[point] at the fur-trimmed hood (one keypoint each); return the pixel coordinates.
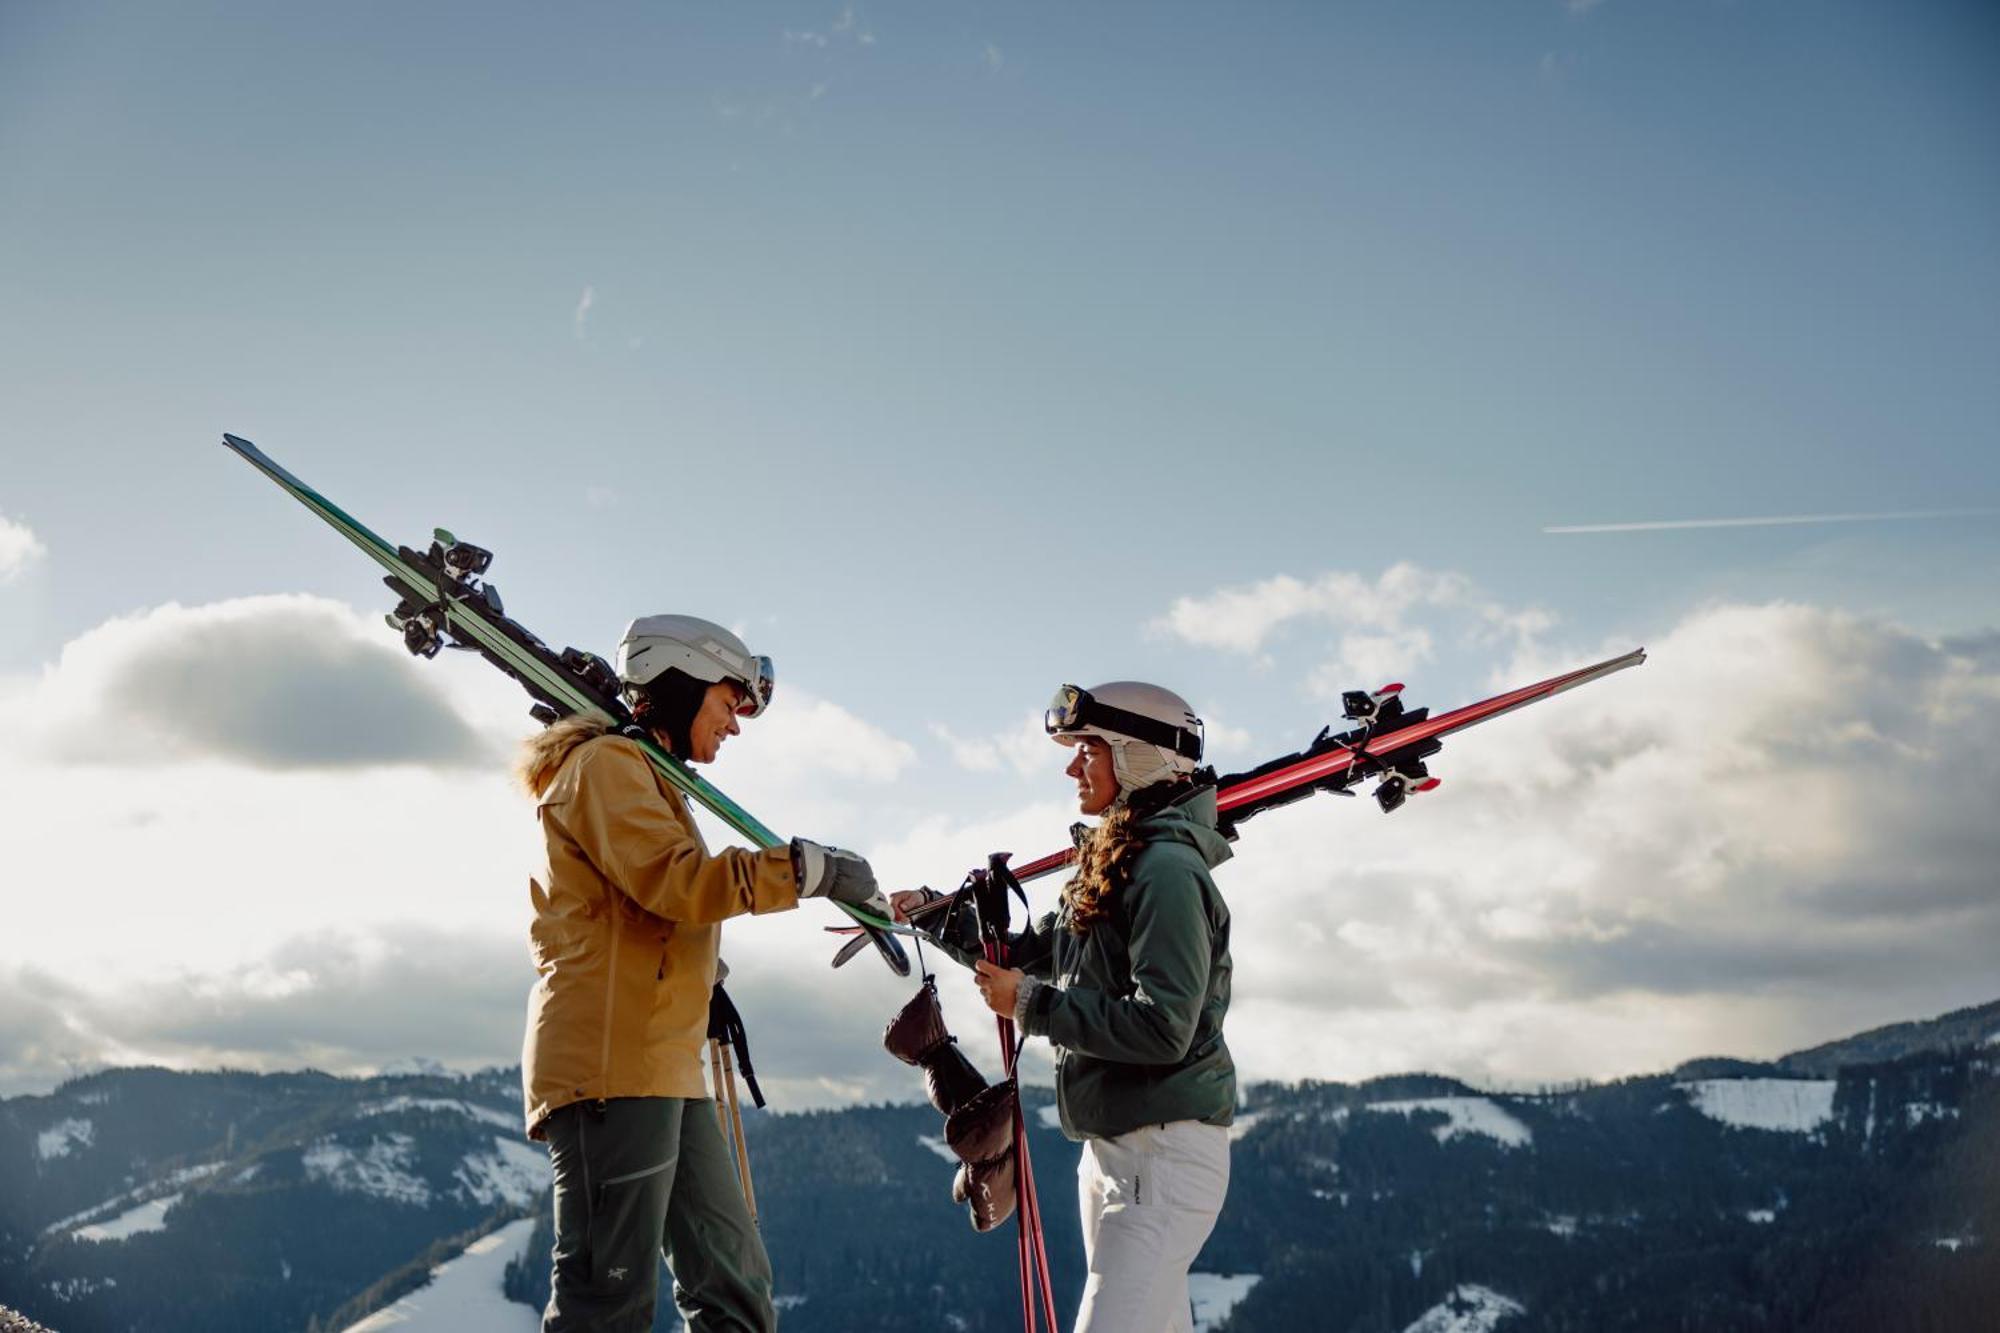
(543, 753)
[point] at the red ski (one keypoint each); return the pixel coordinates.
(1389, 743)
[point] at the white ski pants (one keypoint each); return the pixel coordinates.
(1149, 1199)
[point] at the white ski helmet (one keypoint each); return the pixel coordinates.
(1152, 732)
(702, 649)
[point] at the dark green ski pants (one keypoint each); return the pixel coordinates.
(637, 1177)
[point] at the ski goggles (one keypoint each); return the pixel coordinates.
(1075, 709)
(758, 685)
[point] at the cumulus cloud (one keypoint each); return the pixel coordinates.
(1023, 749)
(1379, 625)
(1778, 828)
(345, 1003)
(809, 737)
(279, 682)
(1220, 740)
(20, 549)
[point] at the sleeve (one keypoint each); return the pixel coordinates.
(1170, 949)
(635, 839)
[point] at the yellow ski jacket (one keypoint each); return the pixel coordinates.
(628, 913)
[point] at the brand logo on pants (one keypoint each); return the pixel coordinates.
(616, 1274)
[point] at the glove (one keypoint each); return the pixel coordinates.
(829, 872)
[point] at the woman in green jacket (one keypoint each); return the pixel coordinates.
(1129, 982)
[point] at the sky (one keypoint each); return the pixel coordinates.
(951, 352)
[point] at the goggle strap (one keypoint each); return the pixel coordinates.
(1138, 726)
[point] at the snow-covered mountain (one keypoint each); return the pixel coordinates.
(1725, 1195)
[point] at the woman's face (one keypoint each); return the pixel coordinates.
(715, 721)
(1096, 783)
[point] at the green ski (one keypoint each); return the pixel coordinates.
(445, 603)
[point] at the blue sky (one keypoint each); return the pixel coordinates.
(946, 349)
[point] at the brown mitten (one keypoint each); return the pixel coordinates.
(981, 1132)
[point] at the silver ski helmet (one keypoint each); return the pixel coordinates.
(1153, 734)
(699, 648)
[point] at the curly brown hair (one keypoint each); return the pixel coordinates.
(1106, 855)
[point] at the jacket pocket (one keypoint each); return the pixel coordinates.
(623, 1236)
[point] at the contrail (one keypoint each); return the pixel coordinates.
(1773, 521)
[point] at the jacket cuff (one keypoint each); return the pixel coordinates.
(1028, 1005)
(776, 886)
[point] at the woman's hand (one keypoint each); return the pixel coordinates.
(1000, 986)
(906, 901)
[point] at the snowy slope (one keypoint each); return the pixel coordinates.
(1784, 1105)
(146, 1217)
(1465, 1115)
(1469, 1309)
(464, 1293)
(1214, 1295)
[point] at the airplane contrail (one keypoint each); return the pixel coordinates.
(1775, 520)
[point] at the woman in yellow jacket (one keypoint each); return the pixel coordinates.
(628, 913)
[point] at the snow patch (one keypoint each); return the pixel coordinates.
(1561, 1224)
(63, 1137)
(382, 1169)
(67, 1289)
(464, 1294)
(1918, 1112)
(1470, 1308)
(1465, 1115)
(1214, 1295)
(1243, 1124)
(174, 1180)
(451, 1105)
(1761, 1216)
(150, 1216)
(1782, 1105)
(788, 1302)
(939, 1147)
(1955, 1243)
(1050, 1116)
(514, 1172)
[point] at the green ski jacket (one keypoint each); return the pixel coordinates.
(1134, 1008)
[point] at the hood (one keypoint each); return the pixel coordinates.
(542, 754)
(1189, 819)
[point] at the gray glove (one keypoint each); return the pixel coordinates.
(830, 872)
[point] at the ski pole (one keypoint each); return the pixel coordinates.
(736, 1133)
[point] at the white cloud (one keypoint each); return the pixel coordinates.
(1023, 749)
(1377, 628)
(1777, 830)
(583, 305)
(806, 739)
(1219, 738)
(1241, 619)
(20, 549)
